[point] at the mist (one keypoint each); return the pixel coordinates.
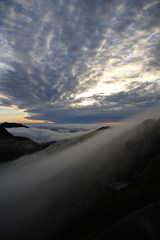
(31, 184)
(52, 132)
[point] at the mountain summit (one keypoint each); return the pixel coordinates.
(12, 125)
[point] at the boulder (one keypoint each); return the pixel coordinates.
(142, 224)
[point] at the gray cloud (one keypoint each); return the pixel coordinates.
(54, 51)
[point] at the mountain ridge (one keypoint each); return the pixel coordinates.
(139, 164)
(12, 125)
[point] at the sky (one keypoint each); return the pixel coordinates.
(78, 61)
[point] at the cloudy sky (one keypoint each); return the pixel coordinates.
(78, 61)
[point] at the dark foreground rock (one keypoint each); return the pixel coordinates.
(110, 189)
(143, 224)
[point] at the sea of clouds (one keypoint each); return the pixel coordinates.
(41, 132)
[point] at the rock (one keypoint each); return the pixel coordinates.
(142, 224)
(117, 186)
(146, 143)
(147, 124)
(109, 189)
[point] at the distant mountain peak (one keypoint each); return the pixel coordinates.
(103, 128)
(12, 125)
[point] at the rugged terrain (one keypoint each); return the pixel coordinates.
(12, 147)
(115, 193)
(142, 190)
(130, 181)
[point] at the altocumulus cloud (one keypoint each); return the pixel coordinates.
(79, 60)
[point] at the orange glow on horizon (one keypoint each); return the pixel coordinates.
(24, 120)
(8, 114)
(112, 123)
(35, 121)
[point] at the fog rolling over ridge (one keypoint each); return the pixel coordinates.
(32, 184)
(52, 132)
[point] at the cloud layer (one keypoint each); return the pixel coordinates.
(79, 60)
(53, 132)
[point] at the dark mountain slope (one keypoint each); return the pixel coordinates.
(137, 162)
(12, 147)
(4, 134)
(143, 224)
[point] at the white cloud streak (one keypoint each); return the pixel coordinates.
(53, 132)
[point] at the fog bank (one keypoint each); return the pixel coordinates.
(53, 132)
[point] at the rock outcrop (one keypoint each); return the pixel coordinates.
(142, 224)
(110, 189)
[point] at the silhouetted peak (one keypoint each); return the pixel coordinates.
(4, 134)
(102, 128)
(149, 122)
(12, 125)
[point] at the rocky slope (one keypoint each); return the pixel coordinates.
(12, 147)
(142, 224)
(130, 180)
